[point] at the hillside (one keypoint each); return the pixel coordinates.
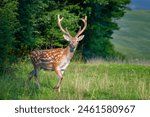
(133, 38)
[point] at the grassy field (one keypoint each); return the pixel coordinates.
(81, 81)
(133, 38)
(96, 79)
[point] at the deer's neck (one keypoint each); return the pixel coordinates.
(70, 52)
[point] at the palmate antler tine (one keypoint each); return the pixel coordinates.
(60, 26)
(85, 25)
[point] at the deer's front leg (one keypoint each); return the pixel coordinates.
(60, 78)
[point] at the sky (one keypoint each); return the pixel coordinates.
(140, 4)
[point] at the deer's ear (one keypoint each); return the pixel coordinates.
(80, 38)
(66, 37)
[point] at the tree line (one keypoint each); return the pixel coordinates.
(32, 24)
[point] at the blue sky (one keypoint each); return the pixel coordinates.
(140, 4)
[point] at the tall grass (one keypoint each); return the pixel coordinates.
(81, 81)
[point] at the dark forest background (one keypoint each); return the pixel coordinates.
(26, 25)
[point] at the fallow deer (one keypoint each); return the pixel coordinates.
(56, 59)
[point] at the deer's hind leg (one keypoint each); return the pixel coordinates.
(36, 77)
(31, 74)
(34, 73)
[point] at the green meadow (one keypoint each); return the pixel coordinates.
(81, 81)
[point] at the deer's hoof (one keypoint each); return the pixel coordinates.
(57, 89)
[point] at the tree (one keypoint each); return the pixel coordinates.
(8, 27)
(32, 24)
(101, 24)
(39, 29)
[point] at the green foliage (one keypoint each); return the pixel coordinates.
(40, 30)
(32, 24)
(8, 27)
(101, 23)
(52, 35)
(28, 13)
(39, 27)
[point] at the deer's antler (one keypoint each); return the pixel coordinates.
(60, 26)
(85, 25)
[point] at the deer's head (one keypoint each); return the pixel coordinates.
(67, 36)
